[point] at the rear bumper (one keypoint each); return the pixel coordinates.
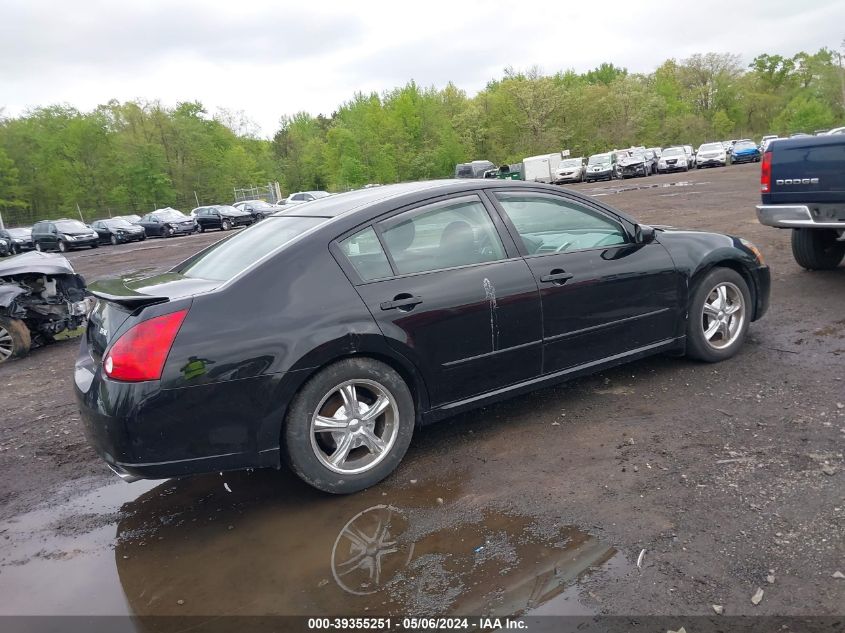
(800, 216)
(143, 431)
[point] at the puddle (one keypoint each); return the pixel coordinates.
(273, 546)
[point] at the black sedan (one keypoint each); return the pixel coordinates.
(167, 223)
(220, 216)
(322, 337)
(5, 247)
(258, 209)
(118, 231)
(20, 239)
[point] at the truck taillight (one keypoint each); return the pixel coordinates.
(140, 353)
(766, 173)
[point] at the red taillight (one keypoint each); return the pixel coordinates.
(766, 173)
(141, 352)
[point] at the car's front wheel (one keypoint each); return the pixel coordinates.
(719, 314)
(15, 339)
(349, 426)
(62, 246)
(113, 240)
(227, 225)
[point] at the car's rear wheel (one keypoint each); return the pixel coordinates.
(349, 426)
(817, 249)
(15, 339)
(719, 315)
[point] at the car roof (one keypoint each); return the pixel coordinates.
(363, 200)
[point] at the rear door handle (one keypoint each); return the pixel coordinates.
(401, 301)
(557, 275)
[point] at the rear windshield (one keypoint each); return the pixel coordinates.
(230, 257)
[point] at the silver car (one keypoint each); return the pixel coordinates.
(571, 170)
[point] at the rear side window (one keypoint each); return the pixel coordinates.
(456, 232)
(230, 257)
(366, 255)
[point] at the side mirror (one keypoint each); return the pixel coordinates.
(643, 234)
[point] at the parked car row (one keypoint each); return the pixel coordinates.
(67, 234)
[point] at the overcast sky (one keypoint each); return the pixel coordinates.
(271, 58)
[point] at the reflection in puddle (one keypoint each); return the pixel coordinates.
(273, 546)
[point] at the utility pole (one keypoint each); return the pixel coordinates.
(2, 226)
(196, 198)
(80, 213)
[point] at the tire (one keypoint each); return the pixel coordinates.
(200, 228)
(62, 247)
(95, 245)
(169, 231)
(726, 338)
(226, 225)
(143, 237)
(38, 247)
(113, 240)
(15, 339)
(817, 249)
(308, 452)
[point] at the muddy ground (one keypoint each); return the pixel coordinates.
(729, 477)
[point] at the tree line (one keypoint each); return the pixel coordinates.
(136, 156)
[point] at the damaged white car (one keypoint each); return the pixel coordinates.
(40, 296)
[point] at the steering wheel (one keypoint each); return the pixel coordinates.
(563, 247)
(485, 245)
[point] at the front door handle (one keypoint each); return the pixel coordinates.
(557, 276)
(402, 301)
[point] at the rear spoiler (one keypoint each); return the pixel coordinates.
(114, 291)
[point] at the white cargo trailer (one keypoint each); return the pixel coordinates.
(543, 168)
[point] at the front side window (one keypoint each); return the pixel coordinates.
(456, 232)
(364, 252)
(551, 224)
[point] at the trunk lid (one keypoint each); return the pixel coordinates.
(121, 302)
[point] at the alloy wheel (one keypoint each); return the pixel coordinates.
(355, 426)
(6, 344)
(723, 315)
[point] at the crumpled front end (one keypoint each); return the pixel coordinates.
(45, 294)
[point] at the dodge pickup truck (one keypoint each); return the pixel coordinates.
(802, 183)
